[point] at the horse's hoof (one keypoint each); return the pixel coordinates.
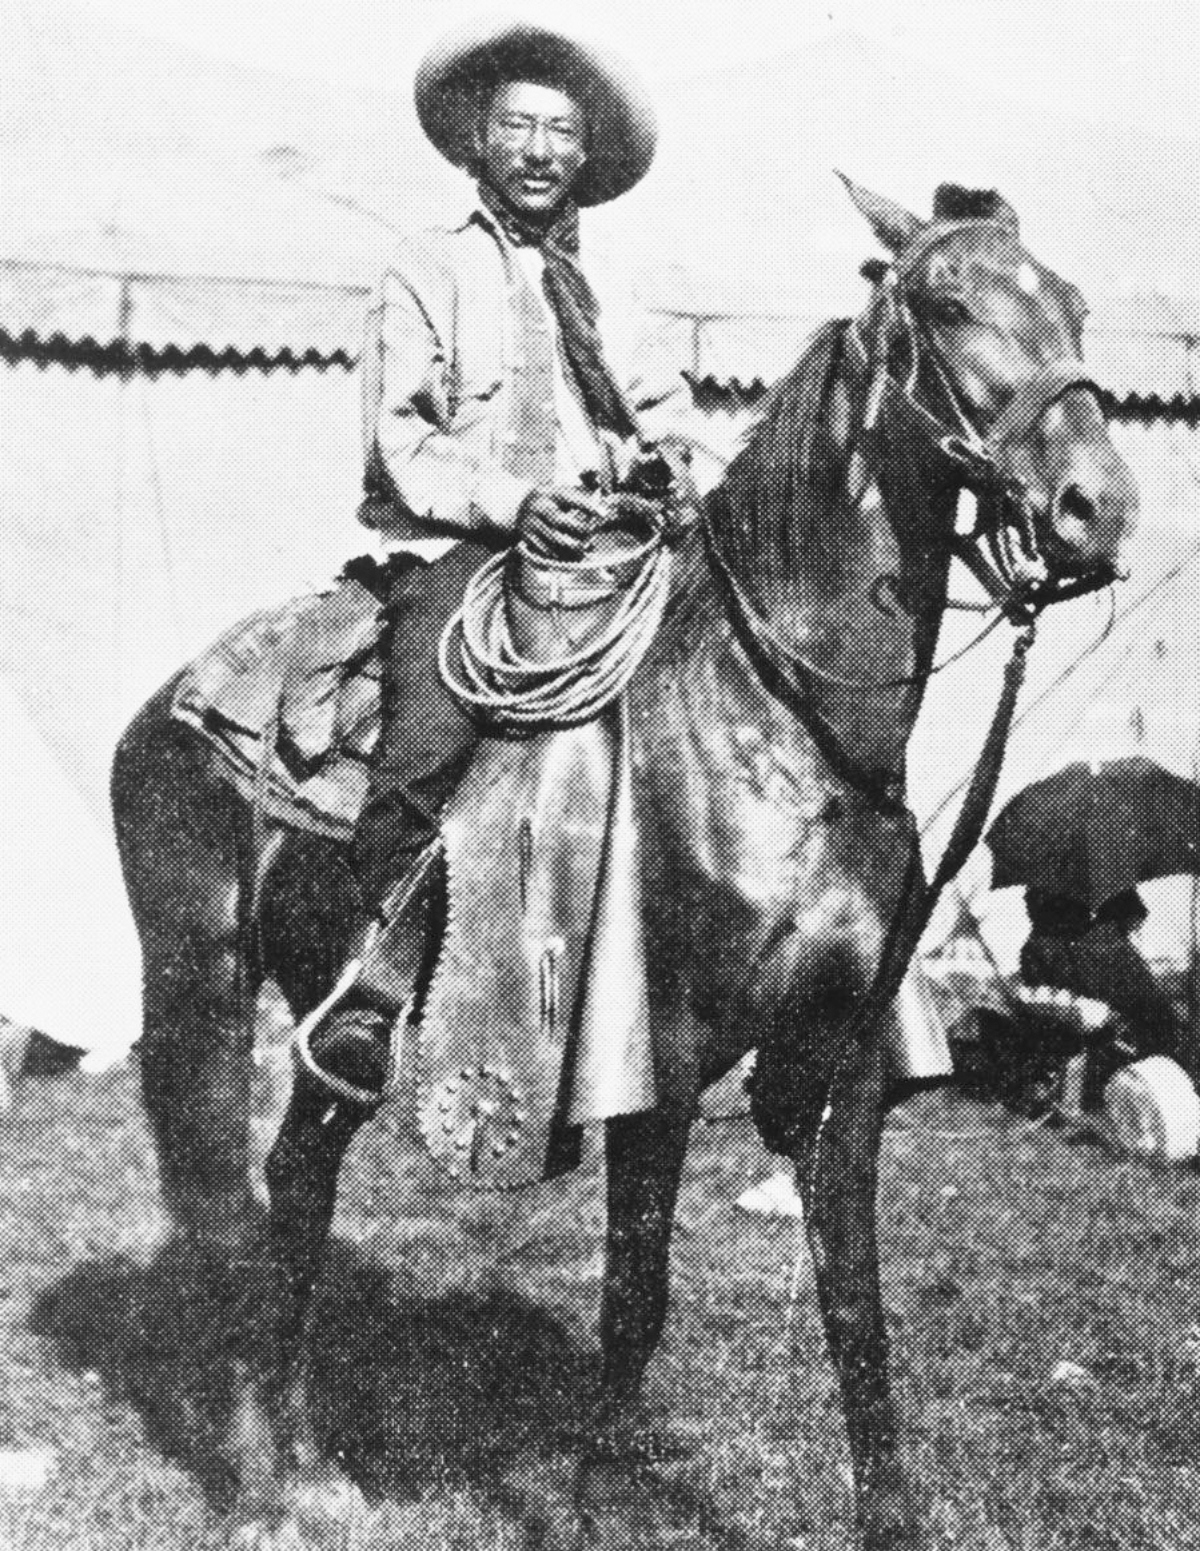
(318, 1515)
(254, 1459)
(328, 1511)
(617, 1506)
(540, 1494)
(260, 1535)
(890, 1525)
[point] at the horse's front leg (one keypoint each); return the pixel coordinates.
(270, 1443)
(837, 1164)
(645, 1156)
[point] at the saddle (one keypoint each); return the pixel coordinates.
(536, 1017)
(288, 701)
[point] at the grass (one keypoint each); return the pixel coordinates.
(456, 1344)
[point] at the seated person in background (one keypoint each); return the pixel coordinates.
(1092, 955)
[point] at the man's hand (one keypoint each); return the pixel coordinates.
(662, 474)
(558, 522)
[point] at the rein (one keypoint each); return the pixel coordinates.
(919, 898)
(989, 555)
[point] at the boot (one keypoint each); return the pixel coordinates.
(351, 1040)
(350, 1050)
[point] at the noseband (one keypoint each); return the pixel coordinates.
(1005, 533)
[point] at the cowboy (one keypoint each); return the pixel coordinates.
(491, 414)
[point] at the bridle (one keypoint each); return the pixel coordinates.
(1002, 549)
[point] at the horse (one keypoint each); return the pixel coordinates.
(769, 723)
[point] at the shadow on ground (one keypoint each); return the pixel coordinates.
(483, 1389)
(399, 1386)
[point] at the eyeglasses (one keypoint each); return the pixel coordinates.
(518, 128)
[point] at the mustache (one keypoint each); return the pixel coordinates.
(527, 168)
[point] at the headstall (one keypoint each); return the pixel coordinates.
(1002, 551)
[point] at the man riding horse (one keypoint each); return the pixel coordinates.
(491, 414)
(768, 727)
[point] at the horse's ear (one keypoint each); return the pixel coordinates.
(892, 223)
(953, 202)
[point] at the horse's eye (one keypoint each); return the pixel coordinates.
(951, 309)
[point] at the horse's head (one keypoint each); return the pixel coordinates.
(974, 346)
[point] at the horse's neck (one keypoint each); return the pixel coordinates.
(845, 559)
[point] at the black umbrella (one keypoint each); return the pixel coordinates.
(1091, 831)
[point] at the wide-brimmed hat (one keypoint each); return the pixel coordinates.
(458, 75)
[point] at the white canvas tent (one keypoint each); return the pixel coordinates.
(69, 961)
(157, 200)
(122, 154)
(166, 510)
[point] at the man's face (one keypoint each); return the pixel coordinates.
(533, 146)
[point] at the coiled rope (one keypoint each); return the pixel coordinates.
(516, 696)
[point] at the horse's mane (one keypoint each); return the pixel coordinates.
(767, 514)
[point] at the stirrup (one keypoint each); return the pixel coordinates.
(367, 969)
(302, 1039)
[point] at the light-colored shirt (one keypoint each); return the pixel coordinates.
(461, 417)
(578, 447)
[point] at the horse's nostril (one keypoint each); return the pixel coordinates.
(1073, 503)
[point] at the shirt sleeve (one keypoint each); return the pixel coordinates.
(433, 477)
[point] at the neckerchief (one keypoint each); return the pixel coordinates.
(574, 305)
